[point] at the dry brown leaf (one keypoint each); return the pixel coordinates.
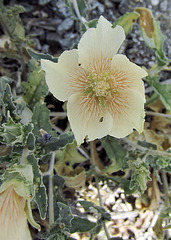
(154, 138)
(76, 178)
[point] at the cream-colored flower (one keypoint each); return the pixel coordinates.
(14, 211)
(104, 90)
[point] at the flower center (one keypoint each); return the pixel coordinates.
(101, 86)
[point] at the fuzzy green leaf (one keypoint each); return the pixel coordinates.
(140, 175)
(79, 224)
(40, 190)
(55, 143)
(65, 214)
(116, 154)
(163, 90)
(39, 56)
(127, 21)
(8, 102)
(41, 119)
(35, 87)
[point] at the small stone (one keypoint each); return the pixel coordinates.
(163, 5)
(45, 48)
(52, 37)
(68, 41)
(66, 25)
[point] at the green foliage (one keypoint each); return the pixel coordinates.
(65, 215)
(79, 224)
(41, 118)
(35, 88)
(39, 56)
(55, 143)
(69, 155)
(82, 8)
(126, 21)
(40, 190)
(116, 154)
(7, 102)
(163, 91)
(140, 175)
(123, 183)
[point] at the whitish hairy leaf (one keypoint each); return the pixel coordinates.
(40, 190)
(35, 87)
(163, 91)
(39, 56)
(79, 224)
(116, 154)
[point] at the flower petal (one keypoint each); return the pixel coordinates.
(127, 75)
(65, 77)
(13, 220)
(88, 118)
(127, 110)
(98, 45)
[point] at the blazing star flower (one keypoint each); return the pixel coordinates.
(14, 211)
(105, 91)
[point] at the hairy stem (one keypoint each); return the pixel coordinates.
(93, 158)
(51, 204)
(144, 149)
(158, 114)
(82, 19)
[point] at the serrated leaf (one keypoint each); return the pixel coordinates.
(65, 214)
(35, 87)
(3, 81)
(41, 119)
(127, 21)
(8, 102)
(12, 132)
(116, 154)
(39, 56)
(88, 206)
(140, 175)
(152, 34)
(124, 183)
(79, 224)
(40, 190)
(23, 111)
(55, 143)
(163, 91)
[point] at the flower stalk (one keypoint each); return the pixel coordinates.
(93, 158)
(51, 203)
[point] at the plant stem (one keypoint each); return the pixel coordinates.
(93, 158)
(144, 149)
(158, 114)
(82, 19)
(51, 204)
